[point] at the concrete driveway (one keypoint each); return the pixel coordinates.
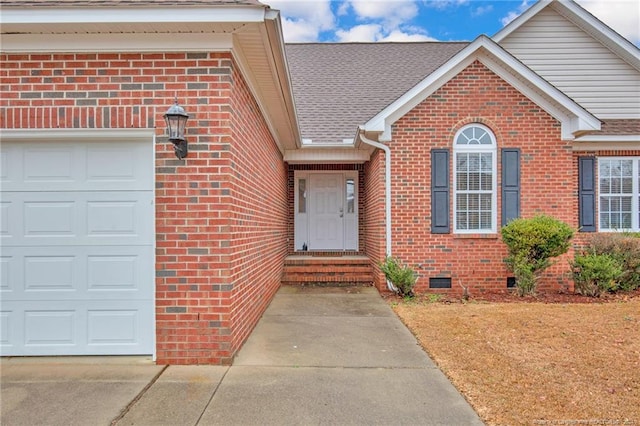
(318, 356)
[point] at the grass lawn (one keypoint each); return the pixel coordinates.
(536, 363)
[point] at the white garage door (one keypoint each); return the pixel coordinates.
(77, 224)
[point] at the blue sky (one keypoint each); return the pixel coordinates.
(424, 20)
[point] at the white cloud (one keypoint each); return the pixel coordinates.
(481, 10)
(513, 14)
(304, 20)
(360, 33)
(391, 13)
(343, 9)
(383, 20)
(623, 16)
(398, 35)
(444, 4)
(375, 32)
(299, 30)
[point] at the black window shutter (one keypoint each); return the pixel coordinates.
(440, 191)
(587, 194)
(510, 184)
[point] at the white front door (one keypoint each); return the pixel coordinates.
(326, 209)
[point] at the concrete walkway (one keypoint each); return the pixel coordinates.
(318, 356)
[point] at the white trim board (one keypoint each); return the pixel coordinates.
(574, 119)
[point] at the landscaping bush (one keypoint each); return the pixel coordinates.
(594, 274)
(625, 248)
(403, 277)
(532, 243)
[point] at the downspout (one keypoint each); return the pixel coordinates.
(387, 194)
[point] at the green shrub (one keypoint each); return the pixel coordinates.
(532, 243)
(403, 277)
(594, 274)
(625, 248)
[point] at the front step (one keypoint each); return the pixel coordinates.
(327, 270)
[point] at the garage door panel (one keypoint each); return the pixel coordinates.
(6, 274)
(5, 211)
(6, 327)
(50, 218)
(76, 273)
(76, 166)
(50, 164)
(49, 327)
(76, 328)
(50, 273)
(80, 218)
(77, 235)
(112, 326)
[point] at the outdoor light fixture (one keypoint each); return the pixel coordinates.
(176, 119)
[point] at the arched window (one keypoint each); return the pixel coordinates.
(474, 203)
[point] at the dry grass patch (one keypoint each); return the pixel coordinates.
(536, 363)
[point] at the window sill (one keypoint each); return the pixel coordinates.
(492, 236)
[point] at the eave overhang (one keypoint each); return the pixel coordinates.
(597, 142)
(327, 155)
(574, 119)
(252, 33)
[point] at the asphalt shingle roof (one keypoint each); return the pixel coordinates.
(339, 86)
(620, 127)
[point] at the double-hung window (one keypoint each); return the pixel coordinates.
(619, 193)
(475, 180)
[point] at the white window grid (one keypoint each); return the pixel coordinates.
(475, 200)
(619, 194)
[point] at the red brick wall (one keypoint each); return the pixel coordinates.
(374, 216)
(258, 218)
(548, 179)
(209, 292)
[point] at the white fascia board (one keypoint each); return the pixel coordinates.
(98, 15)
(290, 133)
(609, 138)
(381, 122)
(332, 155)
(600, 31)
(26, 135)
(520, 20)
(613, 145)
(578, 15)
(276, 48)
(573, 117)
(144, 42)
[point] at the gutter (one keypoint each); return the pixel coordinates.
(387, 194)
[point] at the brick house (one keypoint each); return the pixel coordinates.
(306, 162)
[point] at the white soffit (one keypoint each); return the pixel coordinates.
(573, 117)
(15, 18)
(251, 33)
(101, 29)
(334, 155)
(115, 42)
(606, 142)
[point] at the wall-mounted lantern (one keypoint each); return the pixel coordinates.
(176, 119)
